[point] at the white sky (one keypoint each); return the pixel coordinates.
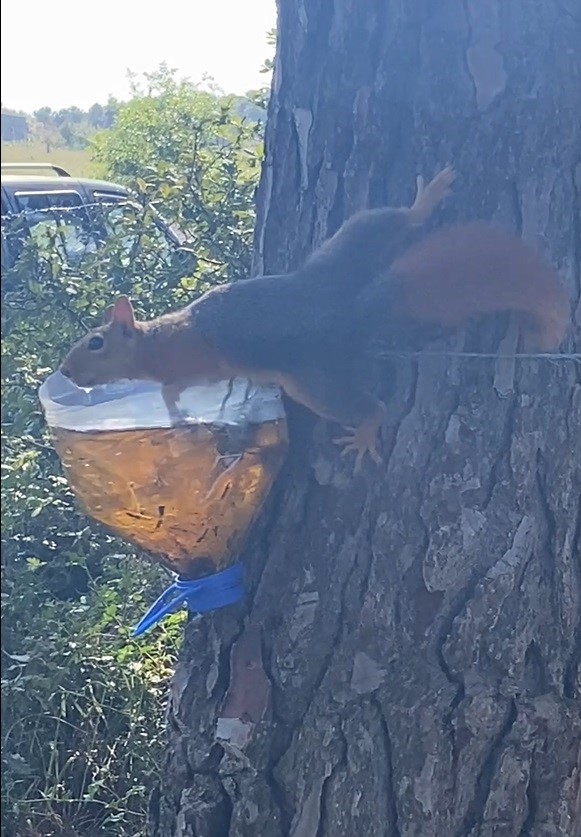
(74, 52)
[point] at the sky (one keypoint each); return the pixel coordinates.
(73, 52)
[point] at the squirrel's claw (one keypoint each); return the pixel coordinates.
(428, 197)
(363, 439)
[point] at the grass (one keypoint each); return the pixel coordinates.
(77, 163)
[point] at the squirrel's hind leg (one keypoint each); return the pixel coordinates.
(334, 392)
(364, 438)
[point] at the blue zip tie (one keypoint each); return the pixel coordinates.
(200, 596)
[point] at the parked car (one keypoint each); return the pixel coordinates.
(75, 214)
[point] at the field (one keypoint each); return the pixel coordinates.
(77, 163)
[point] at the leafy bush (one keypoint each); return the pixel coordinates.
(192, 154)
(82, 701)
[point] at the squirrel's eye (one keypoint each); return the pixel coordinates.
(95, 343)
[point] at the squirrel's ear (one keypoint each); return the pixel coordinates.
(123, 313)
(108, 314)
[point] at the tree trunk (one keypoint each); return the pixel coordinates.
(407, 659)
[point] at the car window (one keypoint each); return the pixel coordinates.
(57, 220)
(127, 222)
(61, 221)
(64, 231)
(34, 201)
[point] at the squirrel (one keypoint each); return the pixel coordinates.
(309, 331)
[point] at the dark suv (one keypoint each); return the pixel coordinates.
(75, 214)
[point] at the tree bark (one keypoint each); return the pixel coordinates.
(407, 658)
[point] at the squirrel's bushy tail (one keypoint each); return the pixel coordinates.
(468, 270)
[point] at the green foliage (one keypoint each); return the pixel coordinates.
(82, 701)
(189, 152)
(268, 65)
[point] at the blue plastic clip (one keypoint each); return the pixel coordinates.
(200, 596)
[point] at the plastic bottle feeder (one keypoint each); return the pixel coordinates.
(187, 494)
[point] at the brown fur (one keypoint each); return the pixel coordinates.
(256, 327)
(165, 350)
(468, 270)
(307, 331)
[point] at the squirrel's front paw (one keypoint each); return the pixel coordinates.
(428, 197)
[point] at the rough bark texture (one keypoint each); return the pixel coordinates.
(407, 659)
